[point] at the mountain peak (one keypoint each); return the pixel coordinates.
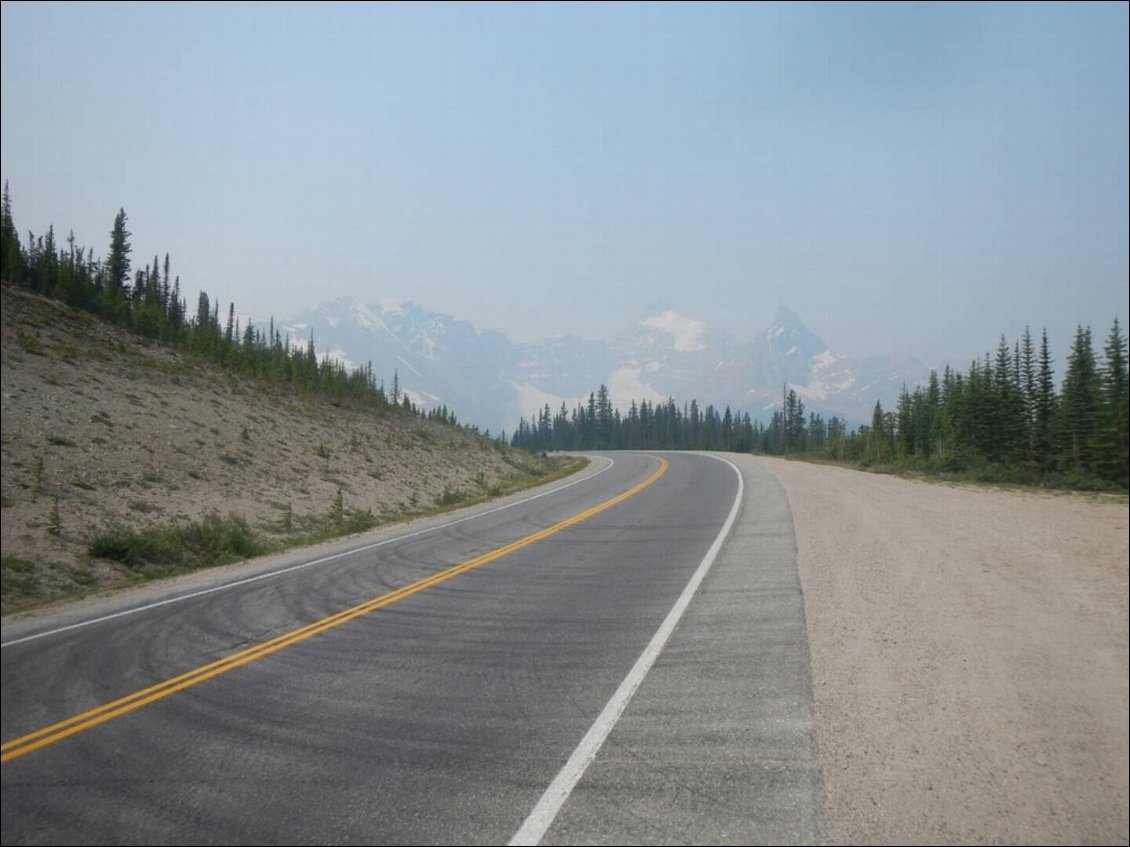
(490, 381)
(688, 334)
(787, 317)
(789, 328)
(395, 308)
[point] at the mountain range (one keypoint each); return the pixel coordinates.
(491, 381)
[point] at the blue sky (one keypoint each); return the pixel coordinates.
(909, 179)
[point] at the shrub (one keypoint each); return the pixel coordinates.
(213, 540)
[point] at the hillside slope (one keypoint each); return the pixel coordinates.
(103, 428)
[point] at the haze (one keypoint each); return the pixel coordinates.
(909, 179)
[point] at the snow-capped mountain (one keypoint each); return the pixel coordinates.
(491, 381)
(437, 358)
(788, 353)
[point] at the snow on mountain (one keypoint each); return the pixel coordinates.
(490, 381)
(438, 359)
(687, 334)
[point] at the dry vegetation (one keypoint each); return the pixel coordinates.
(102, 429)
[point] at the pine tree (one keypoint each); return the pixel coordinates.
(1008, 405)
(117, 264)
(792, 423)
(1079, 409)
(905, 436)
(1111, 452)
(1044, 406)
(11, 256)
(876, 435)
(604, 419)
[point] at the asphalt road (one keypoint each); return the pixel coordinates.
(441, 714)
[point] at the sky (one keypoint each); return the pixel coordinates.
(909, 179)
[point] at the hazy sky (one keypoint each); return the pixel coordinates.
(911, 179)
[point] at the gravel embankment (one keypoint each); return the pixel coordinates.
(969, 658)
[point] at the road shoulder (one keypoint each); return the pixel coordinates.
(969, 658)
(716, 747)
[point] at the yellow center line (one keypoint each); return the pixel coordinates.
(58, 731)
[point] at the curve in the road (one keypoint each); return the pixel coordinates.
(63, 729)
(443, 718)
(541, 818)
(303, 565)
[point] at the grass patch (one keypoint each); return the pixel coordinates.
(451, 497)
(29, 343)
(214, 540)
(173, 547)
(14, 564)
(301, 530)
(538, 471)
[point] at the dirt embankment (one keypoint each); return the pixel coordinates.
(969, 658)
(100, 426)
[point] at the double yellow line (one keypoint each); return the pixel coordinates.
(58, 731)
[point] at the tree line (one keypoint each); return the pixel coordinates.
(597, 425)
(1003, 418)
(148, 301)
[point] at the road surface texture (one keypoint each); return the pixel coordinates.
(969, 659)
(242, 711)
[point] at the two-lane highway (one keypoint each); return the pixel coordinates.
(429, 686)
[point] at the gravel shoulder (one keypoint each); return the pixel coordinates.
(969, 658)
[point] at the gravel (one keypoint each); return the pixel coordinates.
(969, 658)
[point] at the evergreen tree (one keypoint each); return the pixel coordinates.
(1007, 406)
(11, 256)
(1079, 408)
(1112, 455)
(1044, 407)
(792, 423)
(877, 435)
(117, 263)
(1028, 378)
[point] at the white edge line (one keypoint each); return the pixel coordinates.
(544, 813)
(225, 586)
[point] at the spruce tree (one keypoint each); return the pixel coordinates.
(1008, 405)
(1110, 446)
(876, 435)
(1079, 408)
(1044, 406)
(117, 263)
(11, 255)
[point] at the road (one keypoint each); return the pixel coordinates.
(441, 709)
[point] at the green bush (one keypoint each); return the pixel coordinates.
(450, 497)
(212, 541)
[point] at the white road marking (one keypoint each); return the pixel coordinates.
(541, 818)
(225, 586)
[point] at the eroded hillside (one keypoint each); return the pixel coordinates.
(102, 428)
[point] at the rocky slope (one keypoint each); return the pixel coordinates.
(101, 427)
